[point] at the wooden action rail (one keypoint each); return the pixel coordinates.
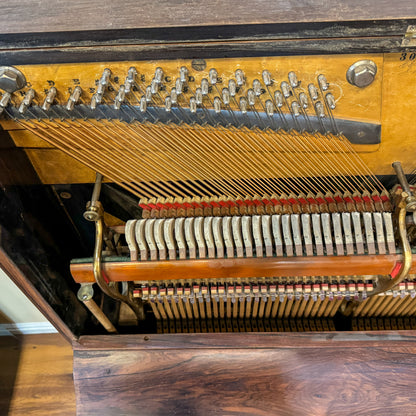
(243, 268)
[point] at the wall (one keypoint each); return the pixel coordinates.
(17, 313)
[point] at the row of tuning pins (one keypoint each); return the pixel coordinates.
(97, 98)
(76, 94)
(251, 100)
(30, 97)
(227, 98)
(152, 93)
(224, 100)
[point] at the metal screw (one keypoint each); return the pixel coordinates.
(199, 64)
(406, 41)
(362, 73)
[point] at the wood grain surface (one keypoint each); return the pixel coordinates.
(251, 340)
(36, 376)
(61, 15)
(359, 379)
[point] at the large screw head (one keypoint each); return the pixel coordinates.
(362, 73)
(11, 79)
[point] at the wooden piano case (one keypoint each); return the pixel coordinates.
(42, 229)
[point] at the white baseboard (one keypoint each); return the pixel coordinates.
(27, 328)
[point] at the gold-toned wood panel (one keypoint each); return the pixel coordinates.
(54, 166)
(352, 102)
(389, 100)
(398, 132)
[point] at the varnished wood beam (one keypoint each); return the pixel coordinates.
(244, 267)
(60, 15)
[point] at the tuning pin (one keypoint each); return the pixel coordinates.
(296, 108)
(293, 79)
(303, 99)
(204, 86)
(192, 105)
(74, 97)
(267, 77)
(183, 74)
(4, 101)
(119, 97)
(154, 86)
(225, 96)
(143, 104)
(239, 76)
(313, 92)
(198, 96)
(27, 100)
(131, 76)
(232, 87)
(330, 100)
(178, 86)
(217, 105)
(257, 87)
(323, 83)
(213, 76)
(158, 75)
(50, 96)
(168, 104)
(173, 96)
(243, 105)
(251, 97)
(94, 102)
(319, 107)
(278, 98)
(148, 94)
(269, 108)
(285, 89)
(103, 82)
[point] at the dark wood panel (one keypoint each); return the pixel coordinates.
(250, 340)
(239, 267)
(201, 50)
(241, 381)
(61, 15)
(275, 31)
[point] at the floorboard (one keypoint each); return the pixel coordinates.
(36, 376)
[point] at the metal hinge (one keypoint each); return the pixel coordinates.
(409, 38)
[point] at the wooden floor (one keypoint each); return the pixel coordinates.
(36, 376)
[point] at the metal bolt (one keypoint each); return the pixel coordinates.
(406, 41)
(11, 79)
(90, 216)
(362, 73)
(65, 195)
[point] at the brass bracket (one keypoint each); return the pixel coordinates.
(406, 203)
(95, 213)
(386, 283)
